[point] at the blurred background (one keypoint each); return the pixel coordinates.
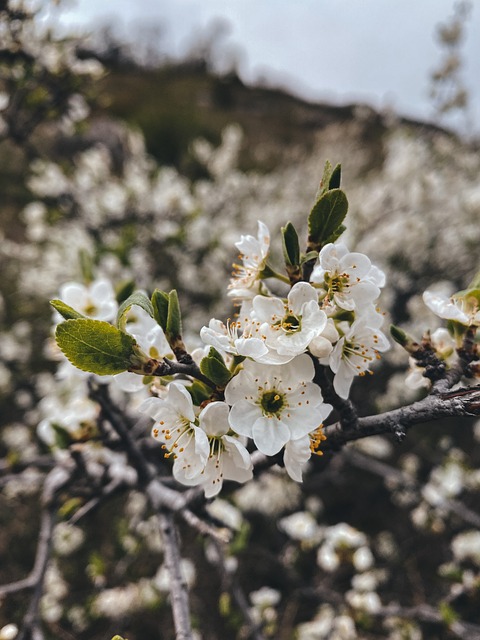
(138, 140)
(382, 54)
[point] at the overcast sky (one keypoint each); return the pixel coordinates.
(375, 51)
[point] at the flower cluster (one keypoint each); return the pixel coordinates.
(257, 381)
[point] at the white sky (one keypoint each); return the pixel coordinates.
(375, 51)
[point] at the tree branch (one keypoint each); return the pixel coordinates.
(460, 403)
(178, 585)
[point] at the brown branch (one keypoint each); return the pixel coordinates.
(178, 585)
(460, 403)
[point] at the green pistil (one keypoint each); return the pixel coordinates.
(291, 324)
(272, 402)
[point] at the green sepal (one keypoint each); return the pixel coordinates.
(117, 637)
(65, 310)
(124, 290)
(138, 299)
(326, 217)
(96, 346)
(199, 392)
(174, 317)
(214, 368)
(160, 307)
(291, 246)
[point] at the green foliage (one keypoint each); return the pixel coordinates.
(326, 217)
(199, 392)
(291, 246)
(138, 299)
(160, 307)
(65, 310)
(95, 346)
(174, 318)
(213, 366)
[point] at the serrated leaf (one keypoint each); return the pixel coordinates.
(160, 307)
(174, 317)
(95, 346)
(215, 370)
(138, 299)
(326, 216)
(66, 310)
(291, 246)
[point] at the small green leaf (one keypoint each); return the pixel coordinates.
(213, 353)
(398, 335)
(291, 246)
(214, 369)
(95, 346)
(335, 178)
(326, 217)
(160, 307)
(124, 290)
(199, 392)
(174, 317)
(138, 299)
(65, 310)
(325, 181)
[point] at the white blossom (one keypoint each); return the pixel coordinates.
(96, 300)
(274, 405)
(348, 280)
(288, 327)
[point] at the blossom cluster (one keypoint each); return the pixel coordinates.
(269, 356)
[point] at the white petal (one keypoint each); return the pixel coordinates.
(270, 435)
(214, 419)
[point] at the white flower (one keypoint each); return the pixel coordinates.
(289, 327)
(466, 546)
(353, 354)
(228, 459)
(464, 310)
(348, 280)
(176, 427)
(254, 253)
(96, 300)
(225, 338)
(274, 405)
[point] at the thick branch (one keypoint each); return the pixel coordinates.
(460, 403)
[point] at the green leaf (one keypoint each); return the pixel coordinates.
(326, 217)
(291, 246)
(124, 290)
(335, 178)
(95, 346)
(325, 181)
(160, 307)
(214, 368)
(65, 310)
(174, 317)
(199, 392)
(138, 299)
